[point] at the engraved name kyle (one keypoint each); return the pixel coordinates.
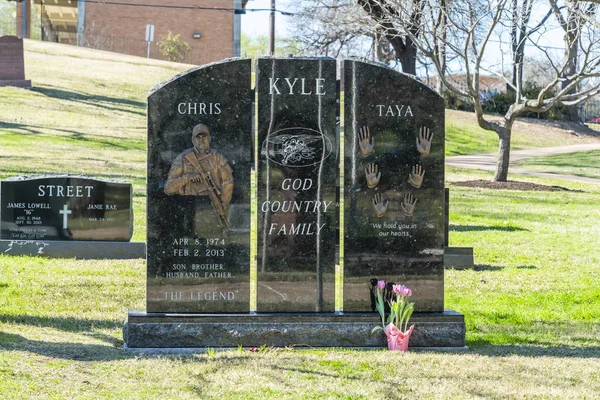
(300, 86)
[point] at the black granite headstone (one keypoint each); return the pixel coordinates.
(199, 160)
(65, 208)
(296, 184)
(394, 186)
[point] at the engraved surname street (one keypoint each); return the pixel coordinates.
(64, 191)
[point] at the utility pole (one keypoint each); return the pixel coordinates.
(272, 30)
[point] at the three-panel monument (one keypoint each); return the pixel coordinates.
(294, 264)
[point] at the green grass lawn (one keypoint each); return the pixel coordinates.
(584, 163)
(531, 304)
(466, 137)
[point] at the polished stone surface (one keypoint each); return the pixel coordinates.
(459, 257)
(198, 239)
(297, 184)
(81, 250)
(65, 208)
(444, 329)
(12, 65)
(385, 114)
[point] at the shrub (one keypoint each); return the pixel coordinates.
(455, 102)
(500, 103)
(172, 47)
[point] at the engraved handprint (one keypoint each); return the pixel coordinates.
(415, 178)
(379, 204)
(408, 204)
(424, 141)
(366, 142)
(372, 174)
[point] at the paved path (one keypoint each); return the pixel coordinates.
(487, 162)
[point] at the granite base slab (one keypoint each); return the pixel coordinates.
(22, 83)
(194, 332)
(174, 351)
(459, 257)
(84, 250)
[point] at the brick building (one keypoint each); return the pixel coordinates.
(211, 27)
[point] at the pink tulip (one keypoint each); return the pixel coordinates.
(398, 288)
(381, 284)
(392, 330)
(404, 291)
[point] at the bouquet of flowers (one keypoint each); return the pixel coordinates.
(400, 311)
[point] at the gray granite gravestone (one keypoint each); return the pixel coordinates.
(297, 184)
(199, 159)
(394, 202)
(394, 186)
(67, 216)
(65, 208)
(12, 65)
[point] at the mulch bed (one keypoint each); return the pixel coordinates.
(509, 185)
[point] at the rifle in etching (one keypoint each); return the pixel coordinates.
(213, 191)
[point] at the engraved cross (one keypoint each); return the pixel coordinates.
(65, 211)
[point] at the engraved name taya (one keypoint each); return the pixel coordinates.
(396, 110)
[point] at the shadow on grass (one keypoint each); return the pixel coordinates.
(67, 351)
(66, 324)
(485, 348)
(78, 136)
(479, 228)
(499, 267)
(94, 100)
(319, 373)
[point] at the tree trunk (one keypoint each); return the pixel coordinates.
(572, 51)
(408, 58)
(503, 156)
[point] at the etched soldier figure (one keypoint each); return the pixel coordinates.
(202, 171)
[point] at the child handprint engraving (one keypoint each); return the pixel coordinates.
(424, 141)
(415, 178)
(408, 204)
(366, 142)
(372, 175)
(380, 205)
